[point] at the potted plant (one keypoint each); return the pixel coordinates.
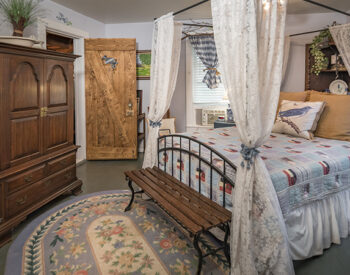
(318, 43)
(20, 13)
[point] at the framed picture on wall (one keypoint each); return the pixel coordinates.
(143, 64)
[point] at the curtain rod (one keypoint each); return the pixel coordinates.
(197, 34)
(327, 7)
(197, 25)
(190, 7)
(302, 33)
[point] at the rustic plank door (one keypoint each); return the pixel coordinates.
(111, 116)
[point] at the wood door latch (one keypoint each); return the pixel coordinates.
(130, 110)
(43, 112)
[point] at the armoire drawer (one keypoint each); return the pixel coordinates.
(20, 181)
(60, 163)
(23, 199)
(59, 180)
(34, 193)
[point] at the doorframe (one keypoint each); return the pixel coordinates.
(78, 36)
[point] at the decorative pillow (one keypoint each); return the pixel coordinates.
(335, 119)
(293, 96)
(298, 118)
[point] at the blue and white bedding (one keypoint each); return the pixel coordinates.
(301, 170)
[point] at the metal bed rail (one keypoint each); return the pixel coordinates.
(191, 153)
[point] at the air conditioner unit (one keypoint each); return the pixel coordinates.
(209, 116)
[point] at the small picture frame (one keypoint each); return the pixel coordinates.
(143, 64)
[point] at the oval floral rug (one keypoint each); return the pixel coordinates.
(92, 235)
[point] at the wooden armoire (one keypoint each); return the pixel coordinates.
(37, 151)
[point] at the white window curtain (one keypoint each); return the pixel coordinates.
(341, 37)
(249, 39)
(166, 47)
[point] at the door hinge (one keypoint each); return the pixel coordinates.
(43, 111)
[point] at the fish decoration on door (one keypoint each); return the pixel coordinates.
(110, 60)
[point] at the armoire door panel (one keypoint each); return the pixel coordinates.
(111, 129)
(24, 87)
(58, 99)
(56, 127)
(23, 124)
(25, 138)
(57, 87)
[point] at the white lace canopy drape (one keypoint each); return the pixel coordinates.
(249, 41)
(341, 37)
(166, 47)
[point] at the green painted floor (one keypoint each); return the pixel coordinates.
(108, 175)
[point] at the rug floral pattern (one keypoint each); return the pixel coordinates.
(95, 236)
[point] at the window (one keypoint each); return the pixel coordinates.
(198, 95)
(202, 95)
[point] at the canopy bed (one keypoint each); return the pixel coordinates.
(246, 169)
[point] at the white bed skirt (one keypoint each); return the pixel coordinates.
(315, 226)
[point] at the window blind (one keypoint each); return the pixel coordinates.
(201, 93)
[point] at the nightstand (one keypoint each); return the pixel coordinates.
(222, 124)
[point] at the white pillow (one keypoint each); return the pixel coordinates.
(298, 118)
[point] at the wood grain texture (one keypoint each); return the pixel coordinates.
(2, 203)
(24, 90)
(59, 100)
(59, 43)
(111, 124)
(191, 209)
(102, 44)
(37, 160)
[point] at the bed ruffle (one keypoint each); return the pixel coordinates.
(315, 226)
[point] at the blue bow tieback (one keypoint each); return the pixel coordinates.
(248, 155)
(154, 124)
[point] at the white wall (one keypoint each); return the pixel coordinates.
(295, 74)
(51, 9)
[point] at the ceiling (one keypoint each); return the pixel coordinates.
(126, 11)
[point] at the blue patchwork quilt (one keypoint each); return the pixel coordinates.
(301, 170)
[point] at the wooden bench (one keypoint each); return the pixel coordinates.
(193, 211)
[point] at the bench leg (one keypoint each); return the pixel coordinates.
(132, 196)
(226, 246)
(199, 251)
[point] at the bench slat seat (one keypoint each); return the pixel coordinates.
(195, 212)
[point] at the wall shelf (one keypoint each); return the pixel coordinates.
(322, 81)
(333, 71)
